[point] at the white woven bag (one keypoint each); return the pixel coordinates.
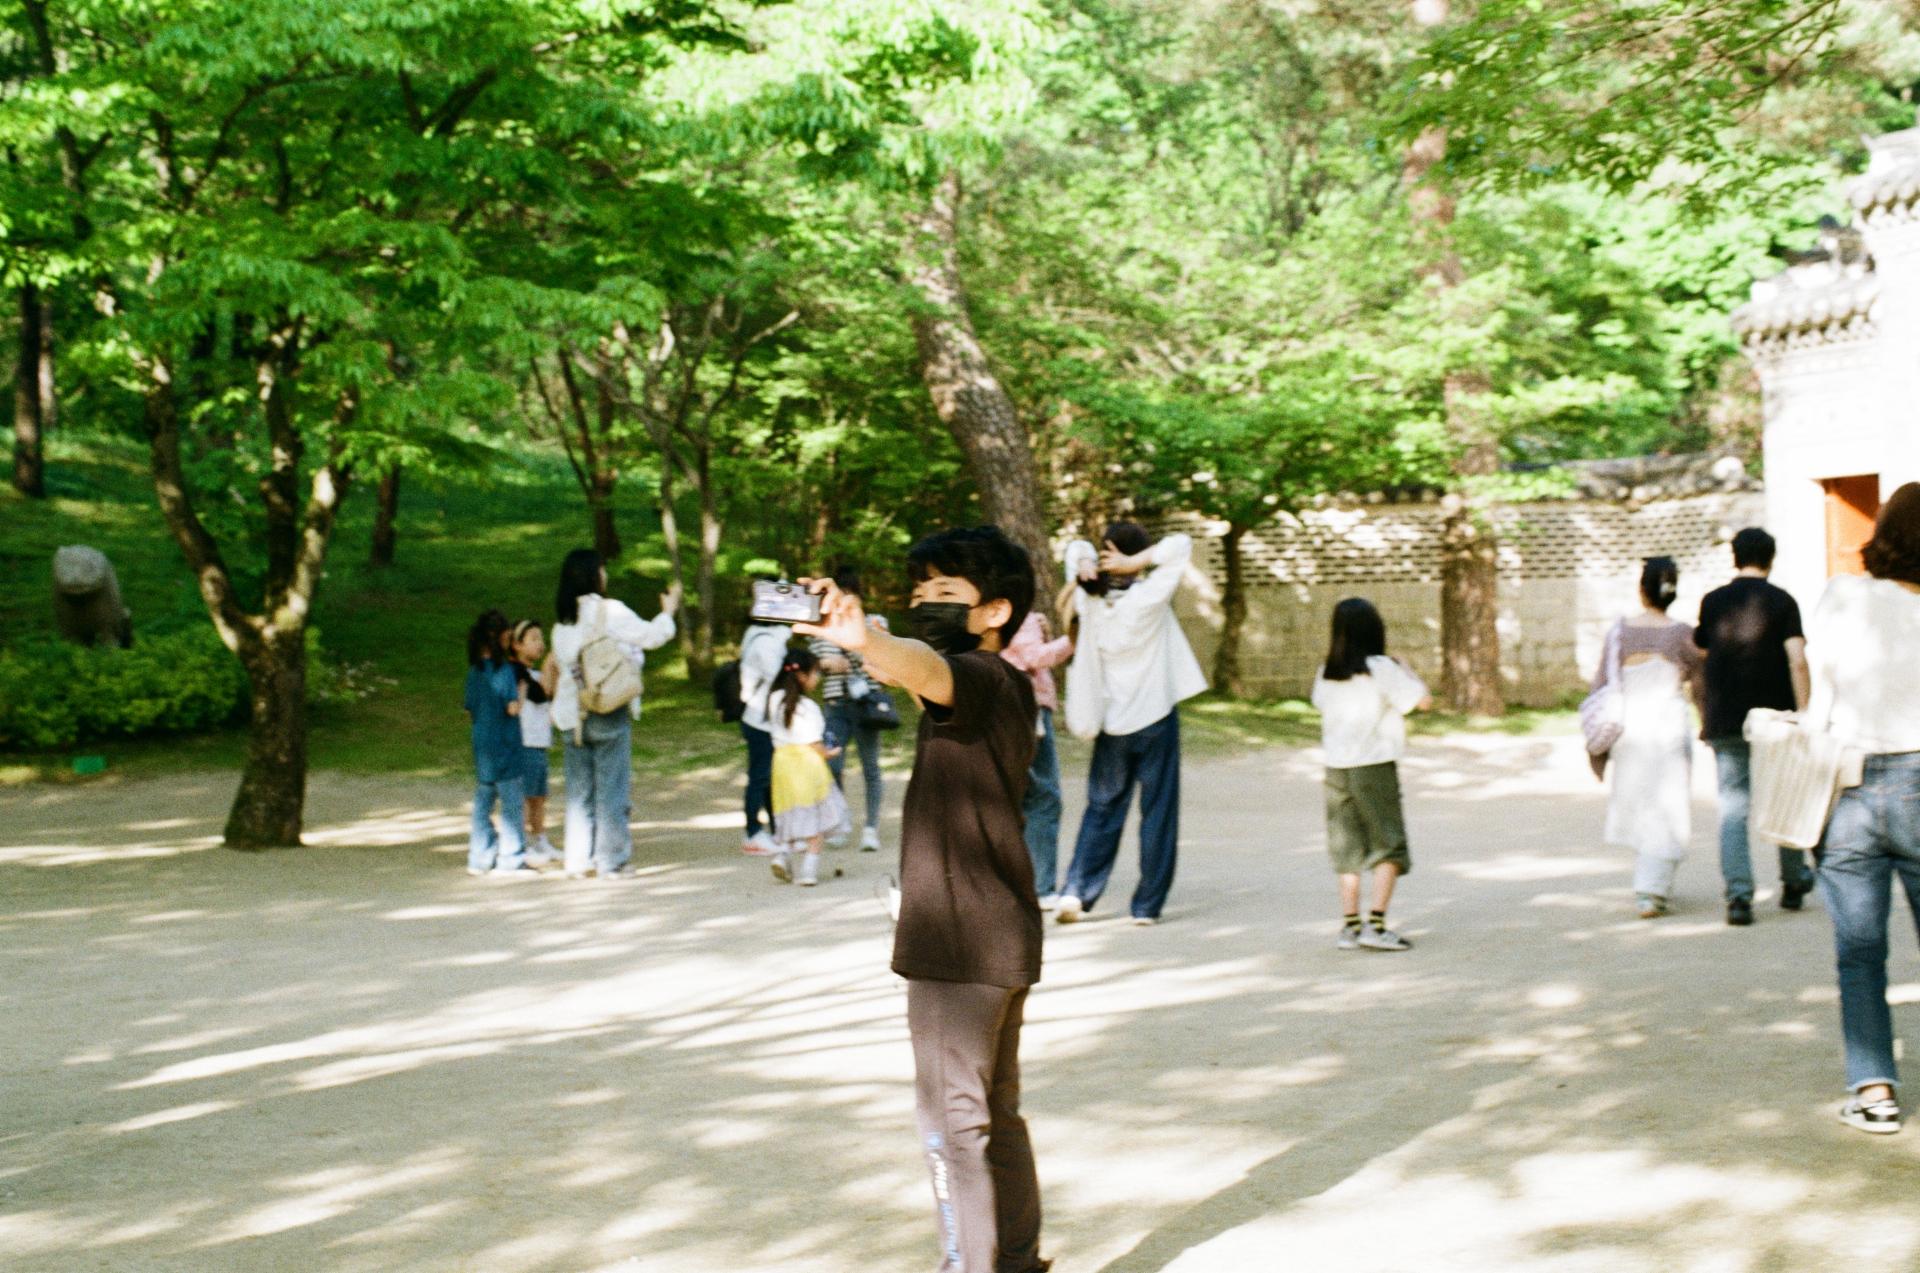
(1799, 770)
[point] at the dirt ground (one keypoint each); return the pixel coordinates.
(353, 1057)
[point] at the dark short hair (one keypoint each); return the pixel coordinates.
(1894, 550)
(847, 579)
(985, 558)
(579, 577)
(483, 638)
(1754, 548)
(1660, 582)
(1358, 635)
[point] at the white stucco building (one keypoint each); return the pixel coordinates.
(1835, 339)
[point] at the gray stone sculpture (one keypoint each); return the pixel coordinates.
(86, 598)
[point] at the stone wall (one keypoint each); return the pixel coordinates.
(1567, 569)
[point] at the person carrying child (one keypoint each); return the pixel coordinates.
(968, 936)
(807, 804)
(493, 701)
(536, 672)
(1363, 698)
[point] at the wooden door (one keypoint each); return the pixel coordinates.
(1852, 504)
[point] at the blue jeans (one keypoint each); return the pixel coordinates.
(1874, 835)
(1732, 757)
(1043, 808)
(599, 772)
(1151, 758)
(759, 777)
(843, 725)
(506, 851)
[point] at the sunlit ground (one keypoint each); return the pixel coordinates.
(354, 1057)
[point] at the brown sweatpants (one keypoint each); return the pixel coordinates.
(966, 1060)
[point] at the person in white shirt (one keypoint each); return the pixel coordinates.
(762, 648)
(536, 672)
(1863, 643)
(807, 803)
(1131, 670)
(598, 746)
(1363, 698)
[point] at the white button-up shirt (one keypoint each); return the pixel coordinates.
(1131, 653)
(635, 635)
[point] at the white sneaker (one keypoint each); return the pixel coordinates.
(782, 864)
(1144, 921)
(1069, 910)
(809, 870)
(521, 872)
(760, 844)
(870, 840)
(1049, 901)
(1383, 939)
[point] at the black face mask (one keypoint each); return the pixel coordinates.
(943, 625)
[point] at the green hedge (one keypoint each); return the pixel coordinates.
(54, 695)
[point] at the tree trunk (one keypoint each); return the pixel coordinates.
(269, 807)
(700, 665)
(33, 397)
(967, 396)
(1469, 551)
(384, 517)
(606, 536)
(1233, 605)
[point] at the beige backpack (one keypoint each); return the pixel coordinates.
(607, 675)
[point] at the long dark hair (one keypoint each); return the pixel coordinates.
(798, 663)
(1358, 635)
(1129, 538)
(1894, 550)
(483, 638)
(1660, 582)
(579, 577)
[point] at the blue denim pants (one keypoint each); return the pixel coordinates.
(845, 726)
(506, 850)
(1149, 757)
(759, 777)
(1874, 835)
(1733, 759)
(599, 771)
(1043, 808)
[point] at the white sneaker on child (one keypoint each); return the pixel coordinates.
(809, 870)
(782, 864)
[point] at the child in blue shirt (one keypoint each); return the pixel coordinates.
(493, 701)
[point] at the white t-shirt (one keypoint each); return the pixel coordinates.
(1363, 719)
(1131, 647)
(637, 635)
(536, 724)
(1863, 645)
(761, 651)
(809, 722)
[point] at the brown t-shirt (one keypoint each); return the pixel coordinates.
(967, 909)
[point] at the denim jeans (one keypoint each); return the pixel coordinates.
(507, 850)
(1874, 834)
(1151, 758)
(599, 772)
(1733, 759)
(1043, 808)
(759, 777)
(843, 725)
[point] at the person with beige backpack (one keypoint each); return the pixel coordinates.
(600, 645)
(1863, 642)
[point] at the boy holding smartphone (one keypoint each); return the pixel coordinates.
(968, 936)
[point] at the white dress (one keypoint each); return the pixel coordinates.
(1650, 805)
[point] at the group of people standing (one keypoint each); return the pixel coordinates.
(1849, 670)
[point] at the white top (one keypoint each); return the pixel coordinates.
(637, 635)
(761, 651)
(1863, 644)
(1363, 720)
(536, 724)
(809, 722)
(1131, 647)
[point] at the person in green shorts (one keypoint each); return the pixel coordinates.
(1363, 698)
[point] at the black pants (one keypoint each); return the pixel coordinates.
(759, 776)
(966, 1060)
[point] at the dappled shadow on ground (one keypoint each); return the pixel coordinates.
(355, 1058)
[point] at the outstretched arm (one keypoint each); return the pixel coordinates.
(914, 666)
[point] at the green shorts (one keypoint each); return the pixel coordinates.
(1364, 825)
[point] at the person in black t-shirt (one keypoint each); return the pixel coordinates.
(968, 937)
(1756, 657)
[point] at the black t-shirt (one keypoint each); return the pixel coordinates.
(1744, 628)
(967, 908)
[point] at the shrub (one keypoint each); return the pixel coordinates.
(54, 695)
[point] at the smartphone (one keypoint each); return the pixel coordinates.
(778, 601)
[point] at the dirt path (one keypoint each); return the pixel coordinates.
(355, 1058)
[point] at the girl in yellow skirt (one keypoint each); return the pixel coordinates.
(807, 805)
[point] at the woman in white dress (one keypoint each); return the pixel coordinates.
(1649, 808)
